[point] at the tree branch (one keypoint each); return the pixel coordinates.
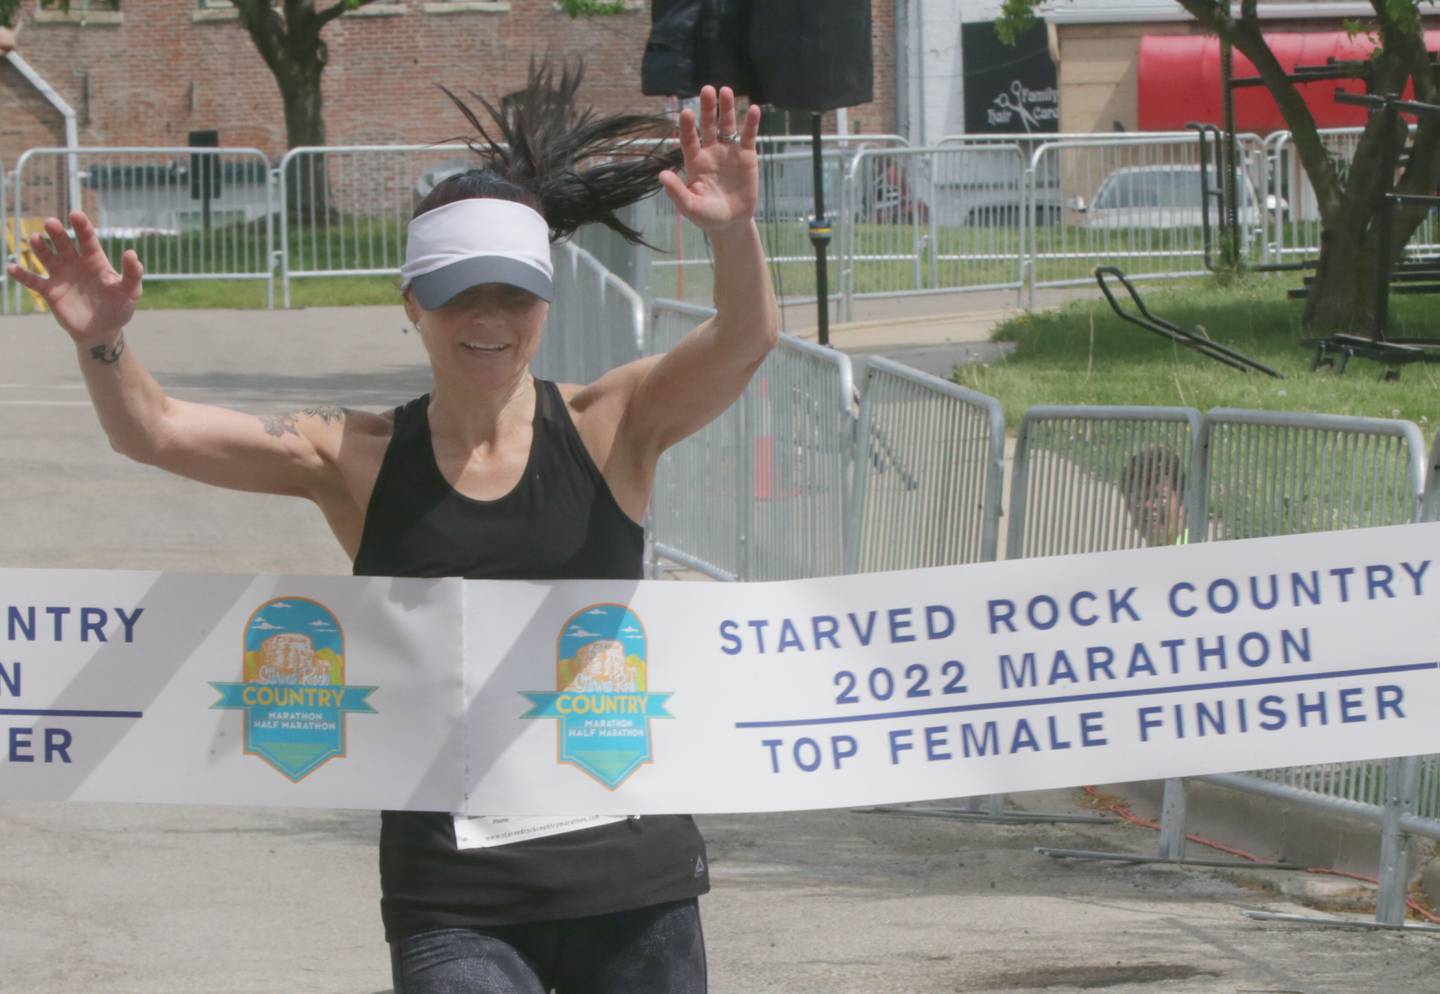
(267, 29)
(1422, 169)
(1247, 38)
(329, 14)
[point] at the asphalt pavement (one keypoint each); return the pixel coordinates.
(110, 899)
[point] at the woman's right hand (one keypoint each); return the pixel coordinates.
(92, 301)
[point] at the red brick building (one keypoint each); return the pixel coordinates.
(158, 69)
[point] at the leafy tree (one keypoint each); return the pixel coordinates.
(1342, 298)
(287, 36)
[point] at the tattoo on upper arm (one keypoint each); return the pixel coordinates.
(285, 424)
(109, 355)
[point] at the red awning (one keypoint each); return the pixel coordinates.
(1180, 80)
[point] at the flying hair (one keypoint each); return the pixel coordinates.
(571, 165)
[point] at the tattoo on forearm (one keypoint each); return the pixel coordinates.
(284, 424)
(109, 355)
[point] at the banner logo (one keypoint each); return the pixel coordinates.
(294, 695)
(603, 705)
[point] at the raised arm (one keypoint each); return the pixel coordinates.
(671, 396)
(292, 454)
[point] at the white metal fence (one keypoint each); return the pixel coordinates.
(9, 241)
(1135, 204)
(929, 463)
(681, 269)
(345, 209)
(596, 322)
(931, 220)
(761, 492)
(191, 213)
(973, 213)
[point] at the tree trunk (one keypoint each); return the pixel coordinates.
(304, 108)
(1342, 295)
(307, 179)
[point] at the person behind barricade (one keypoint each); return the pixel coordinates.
(493, 474)
(1153, 485)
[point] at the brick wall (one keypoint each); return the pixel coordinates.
(880, 117)
(26, 118)
(165, 67)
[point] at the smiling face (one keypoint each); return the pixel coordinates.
(484, 336)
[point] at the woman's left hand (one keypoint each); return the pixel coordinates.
(722, 171)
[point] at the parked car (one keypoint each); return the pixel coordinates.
(1167, 197)
(1011, 213)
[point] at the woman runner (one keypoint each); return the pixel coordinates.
(493, 474)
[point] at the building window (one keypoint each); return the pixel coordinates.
(80, 12)
(461, 6)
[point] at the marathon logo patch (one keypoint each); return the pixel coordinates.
(294, 695)
(603, 703)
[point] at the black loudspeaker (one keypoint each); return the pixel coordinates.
(798, 54)
(812, 54)
(694, 42)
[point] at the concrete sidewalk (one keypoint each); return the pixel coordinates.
(110, 899)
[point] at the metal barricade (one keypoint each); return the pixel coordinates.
(695, 508)
(759, 493)
(1271, 473)
(799, 419)
(1133, 203)
(1279, 473)
(1430, 503)
(190, 213)
(682, 269)
(851, 143)
(1093, 479)
(345, 210)
(929, 461)
(596, 321)
(933, 220)
(7, 239)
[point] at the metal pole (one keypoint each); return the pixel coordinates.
(1230, 251)
(1383, 208)
(1402, 784)
(1172, 821)
(820, 232)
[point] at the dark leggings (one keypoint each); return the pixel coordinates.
(655, 950)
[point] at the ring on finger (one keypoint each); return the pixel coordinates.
(729, 139)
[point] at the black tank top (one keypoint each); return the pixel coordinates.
(559, 522)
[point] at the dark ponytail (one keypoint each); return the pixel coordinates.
(574, 167)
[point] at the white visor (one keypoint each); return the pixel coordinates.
(474, 241)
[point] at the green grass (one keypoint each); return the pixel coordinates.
(1084, 354)
(319, 291)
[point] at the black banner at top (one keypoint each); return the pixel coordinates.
(1008, 89)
